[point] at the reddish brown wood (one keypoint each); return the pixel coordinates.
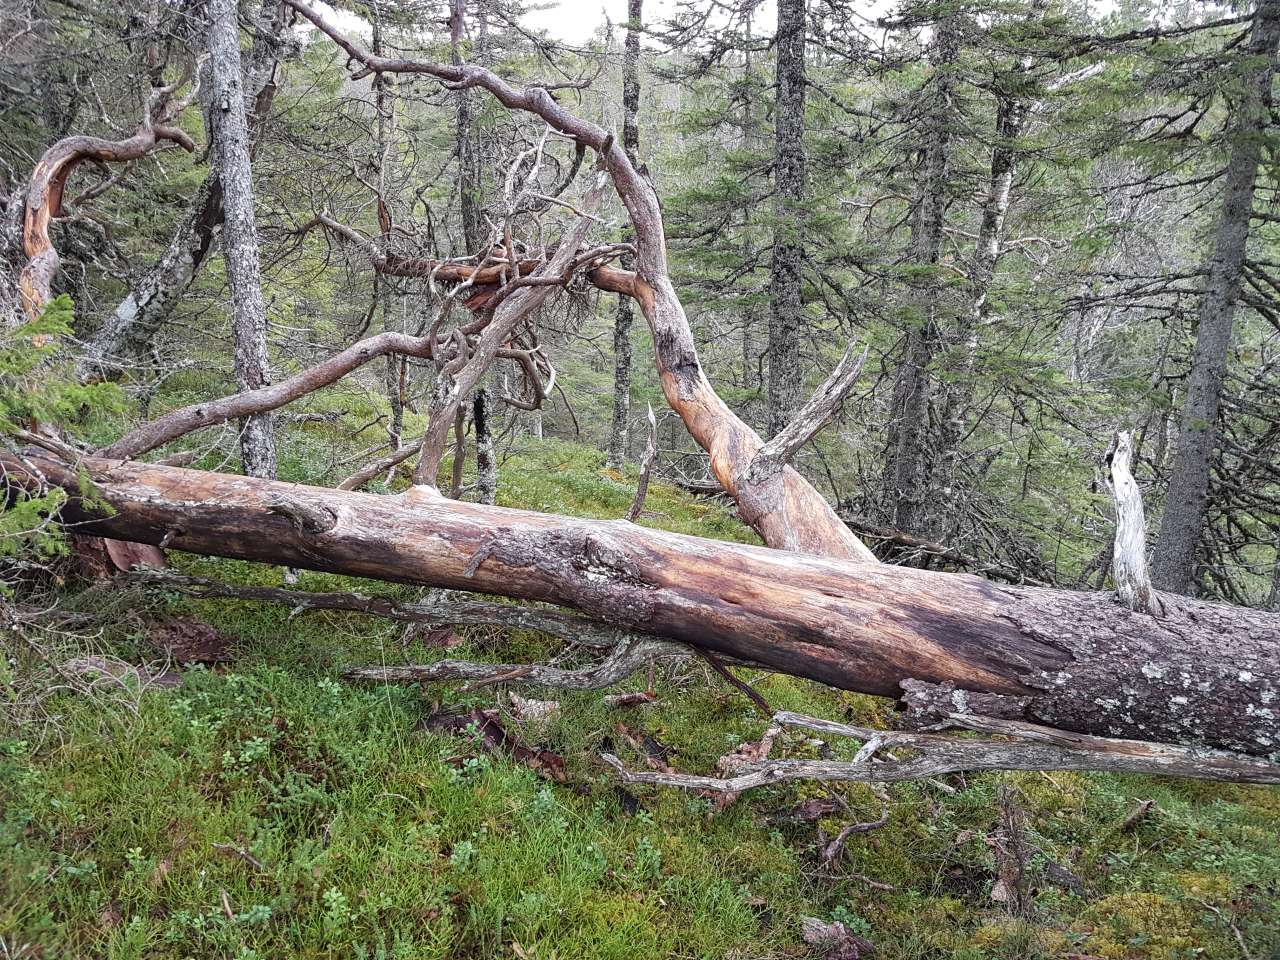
(44, 198)
(785, 509)
(945, 643)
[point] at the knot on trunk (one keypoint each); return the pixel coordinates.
(311, 519)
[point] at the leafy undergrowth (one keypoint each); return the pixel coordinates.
(266, 809)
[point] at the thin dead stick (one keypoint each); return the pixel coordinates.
(738, 684)
(442, 608)
(628, 657)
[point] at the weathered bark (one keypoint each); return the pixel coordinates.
(947, 643)
(787, 512)
(786, 317)
(1033, 747)
(619, 431)
(129, 331)
(1183, 521)
(907, 467)
(1129, 563)
(239, 234)
(132, 326)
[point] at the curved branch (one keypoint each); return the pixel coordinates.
(49, 180)
(788, 512)
(194, 416)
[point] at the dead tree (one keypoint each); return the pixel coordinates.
(941, 643)
(787, 511)
(945, 645)
(620, 431)
(239, 233)
(130, 329)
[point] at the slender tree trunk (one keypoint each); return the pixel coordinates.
(620, 431)
(786, 319)
(1183, 521)
(239, 234)
(945, 643)
(470, 196)
(1011, 113)
(907, 469)
(128, 332)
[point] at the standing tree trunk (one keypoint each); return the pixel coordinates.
(1011, 114)
(132, 326)
(470, 188)
(620, 431)
(786, 321)
(1183, 521)
(239, 234)
(907, 468)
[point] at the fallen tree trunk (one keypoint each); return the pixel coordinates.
(942, 643)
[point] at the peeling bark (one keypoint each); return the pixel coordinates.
(946, 643)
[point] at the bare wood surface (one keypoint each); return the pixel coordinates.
(1129, 567)
(809, 419)
(936, 755)
(788, 512)
(646, 468)
(944, 643)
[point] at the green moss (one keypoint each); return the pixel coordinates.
(360, 835)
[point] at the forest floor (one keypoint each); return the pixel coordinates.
(265, 808)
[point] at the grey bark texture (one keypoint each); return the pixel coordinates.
(907, 467)
(239, 233)
(943, 643)
(786, 318)
(1183, 521)
(470, 198)
(127, 334)
(619, 432)
(130, 329)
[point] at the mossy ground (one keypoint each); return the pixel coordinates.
(365, 837)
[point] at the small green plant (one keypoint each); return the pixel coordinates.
(36, 391)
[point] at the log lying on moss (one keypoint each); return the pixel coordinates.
(1203, 674)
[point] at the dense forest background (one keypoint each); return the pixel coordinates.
(1014, 207)
(1040, 223)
